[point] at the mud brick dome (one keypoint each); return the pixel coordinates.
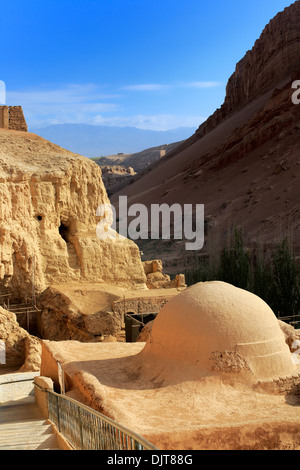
(221, 328)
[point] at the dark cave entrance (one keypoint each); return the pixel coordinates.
(64, 232)
(68, 237)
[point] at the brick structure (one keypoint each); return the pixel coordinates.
(12, 117)
(4, 117)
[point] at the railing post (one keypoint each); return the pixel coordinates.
(137, 446)
(80, 428)
(57, 412)
(41, 388)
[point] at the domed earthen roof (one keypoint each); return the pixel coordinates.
(219, 327)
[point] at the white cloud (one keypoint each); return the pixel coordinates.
(71, 103)
(68, 94)
(202, 84)
(146, 87)
(87, 103)
(160, 122)
(160, 87)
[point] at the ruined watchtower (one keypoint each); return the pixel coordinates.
(12, 117)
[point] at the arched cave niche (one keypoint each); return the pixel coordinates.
(64, 232)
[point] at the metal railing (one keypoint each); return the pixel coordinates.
(27, 313)
(87, 429)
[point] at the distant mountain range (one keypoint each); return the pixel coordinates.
(97, 141)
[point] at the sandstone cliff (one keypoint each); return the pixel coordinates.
(48, 202)
(243, 162)
(274, 56)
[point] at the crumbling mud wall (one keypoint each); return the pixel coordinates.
(277, 435)
(4, 117)
(16, 119)
(12, 117)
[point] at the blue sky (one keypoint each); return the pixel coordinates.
(144, 63)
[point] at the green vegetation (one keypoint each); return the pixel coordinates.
(234, 266)
(274, 277)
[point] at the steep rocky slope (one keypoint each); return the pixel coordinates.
(138, 161)
(243, 162)
(114, 176)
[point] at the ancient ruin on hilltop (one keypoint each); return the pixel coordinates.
(12, 117)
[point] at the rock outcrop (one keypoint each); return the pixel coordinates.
(292, 336)
(120, 170)
(114, 175)
(156, 279)
(138, 161)
(274, 56)
(48, 202)
(72, 317)
(21, 349)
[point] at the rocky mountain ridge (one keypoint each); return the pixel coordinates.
(118, 170)
(243, 162)
(274, 56)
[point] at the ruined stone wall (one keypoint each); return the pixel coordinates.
(16, 119)
(140, 304)
(12, 117)
(4, 117)
(289, 385)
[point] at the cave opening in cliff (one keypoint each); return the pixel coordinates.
(64, 232)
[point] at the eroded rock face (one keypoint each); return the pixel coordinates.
(114, 175)
(157, 280)
(63, 319)
(292, 336)
(48, 203)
